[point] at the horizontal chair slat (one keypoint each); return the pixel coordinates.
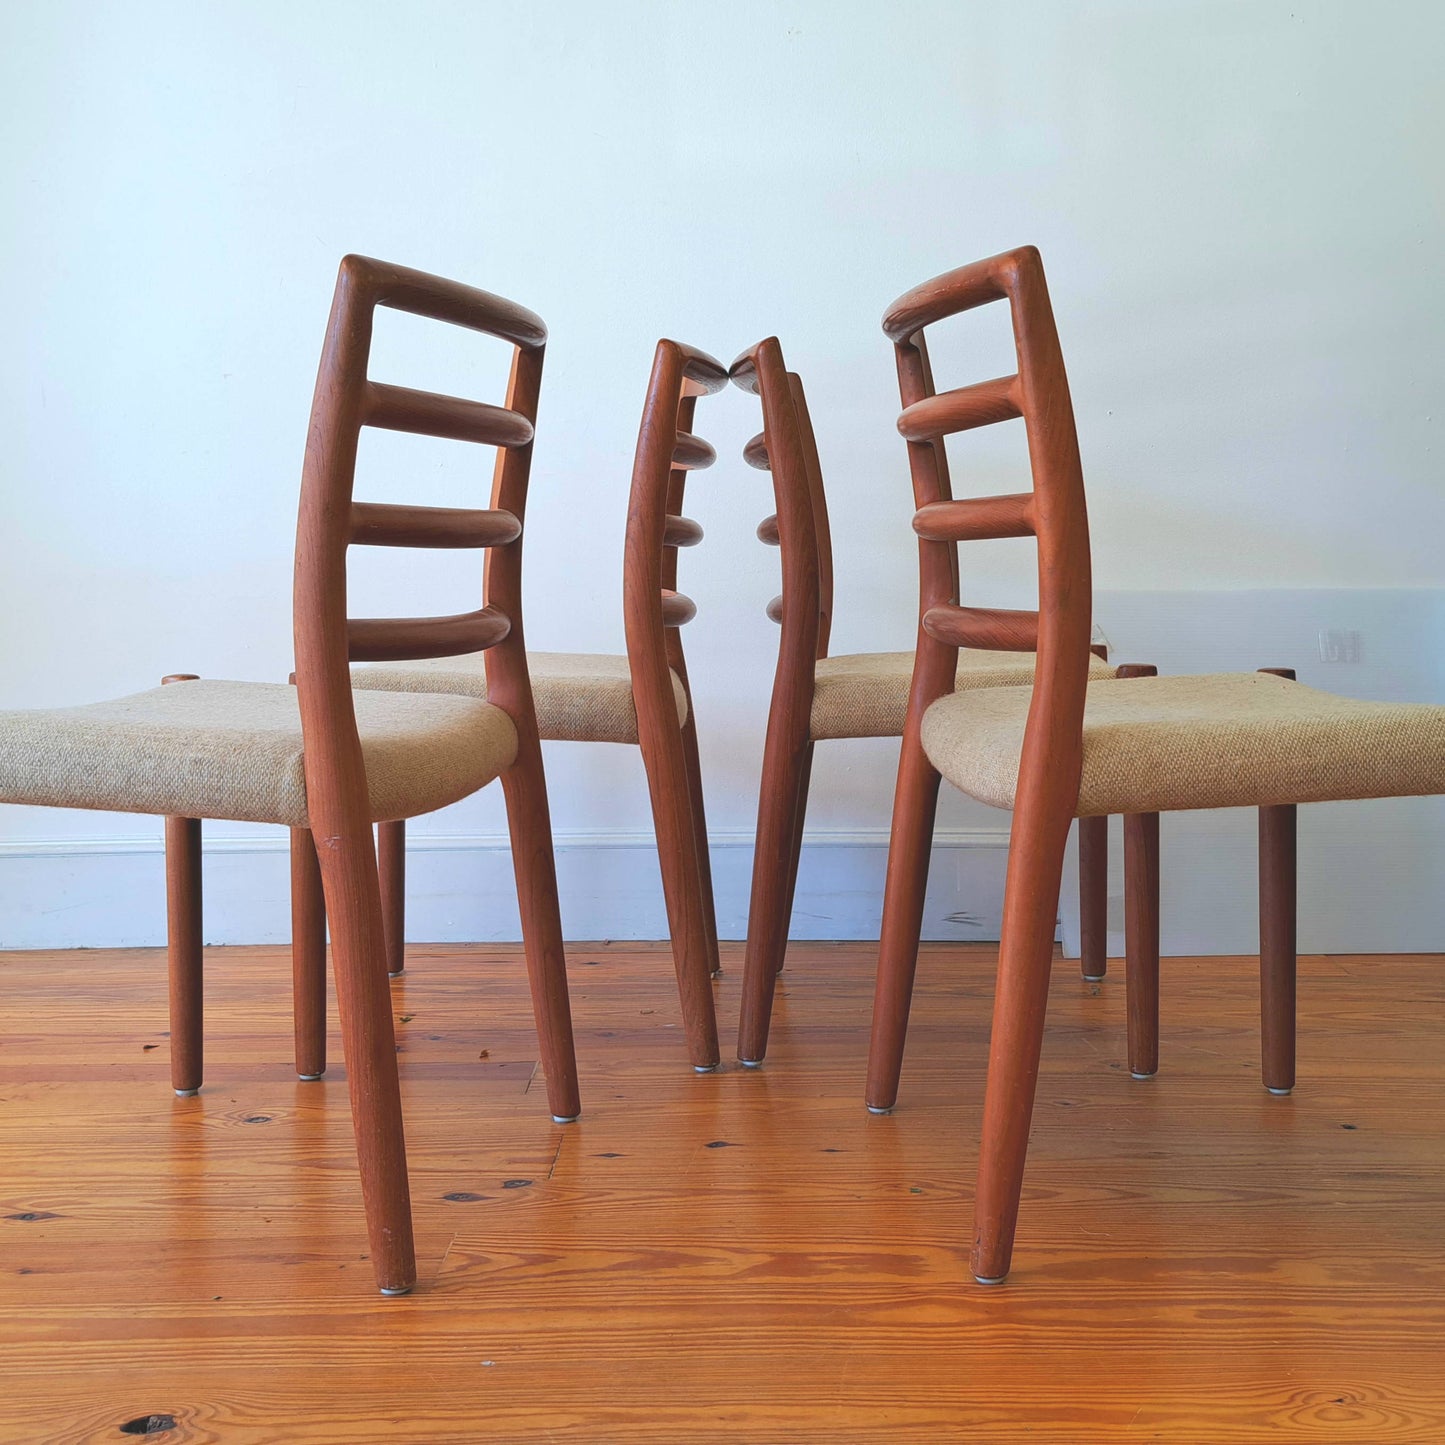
(976, 519)
(755, 453)
(681, 532)
(981, 404)
(775, 608)
(768, 531)
(993, 628)
(397, 639)
(385, 524)
(677, 609)
(421, 294)
(960, 290)
(691, 453)
(398, 408)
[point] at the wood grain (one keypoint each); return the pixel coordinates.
(741, 1254)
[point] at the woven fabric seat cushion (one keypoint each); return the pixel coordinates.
(233, 750)
(865, 695)
(581, 697)
(1226, 740)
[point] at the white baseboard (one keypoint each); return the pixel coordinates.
(110, 893)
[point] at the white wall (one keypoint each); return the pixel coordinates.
(1238, 204)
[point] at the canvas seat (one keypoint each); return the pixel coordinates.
(1222, 740)
(580, 697)
(209, 749)
(865, 694)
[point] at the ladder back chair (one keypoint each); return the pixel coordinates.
(311, 758)
(1063, 750)
(642, 697)
(860, 695)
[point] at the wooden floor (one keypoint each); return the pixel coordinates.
(748, 1256)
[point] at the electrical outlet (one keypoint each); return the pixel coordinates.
(1339, 645)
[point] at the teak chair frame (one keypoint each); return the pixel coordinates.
(338, 880)
(654, 613)
(804, 610)
(1050, 763)
(1053, 512)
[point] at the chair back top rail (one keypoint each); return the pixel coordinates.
(380, 283)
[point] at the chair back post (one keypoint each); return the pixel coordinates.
(335, 771)
(787, 449)
(822, 532)
(783, 449)
(509, 684)
(653, 611)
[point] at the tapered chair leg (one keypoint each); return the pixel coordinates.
(308, 955)
(185, 952)
(1277, 945)
(799, 820)
(910, 845)
(1093, 898)
(1036, 859)
(391, 869)
(1141, 940)
(699, 829)
(780, 808)
(363, 997)
(682, 888)
(529, 821)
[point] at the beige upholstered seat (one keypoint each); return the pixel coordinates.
(1164, 744)
(580, 697)
(865, 695)
(233, 750)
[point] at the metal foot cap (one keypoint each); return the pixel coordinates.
(751, 1063)
(706, 1068)
(1280, 1093)
(187, 1093)
(874, 1109)
(987, 1279)
(405, 1289)
(1093, 977)
(308, 1078)
(565, 1118)
(1133, 1075)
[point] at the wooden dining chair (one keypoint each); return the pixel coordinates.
(857, 695)
(642, 697)
(1063, 750)
(329, 764)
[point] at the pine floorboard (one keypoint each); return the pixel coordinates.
(748, 1256)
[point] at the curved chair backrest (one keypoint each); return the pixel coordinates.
(799, 527)
(346, 400)
(1053, 510)
(653, 610)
